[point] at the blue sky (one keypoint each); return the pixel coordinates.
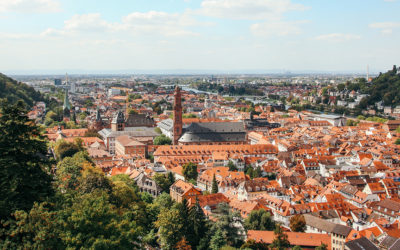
(224, 35)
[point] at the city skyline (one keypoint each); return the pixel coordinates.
(50, 36)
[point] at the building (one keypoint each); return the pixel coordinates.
(66, 107)
(360, 244)
(206, 133)
(334, 120)
(181, 190)
(259, 124)
(337, 232)
(57, 82)
(177, 125)
(304, 240)
(146, 184)
(127, 145)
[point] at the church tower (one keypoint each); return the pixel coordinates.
(118, 122)
(177, 115)
(66, 107)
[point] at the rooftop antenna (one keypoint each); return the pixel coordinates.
(367, 73)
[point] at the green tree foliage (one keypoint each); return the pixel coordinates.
(164, 181)
(322, 247)
(397, 142)
(296, 248)
(189, 116)
(35, 229)
(24, 167)
(157, 130)
(385, 87)
(252, 244)
(232, 166)
(280, 241)
(92, 133)
(162, 140)
(225, 224)
(189, 171)
(64, 149)
(198, 225)
(132, 97)
(170, 226)
(214, 188)
(93, 222)
(14, 91)
(298, 223)
(254, 173)
(218, 240)
(259, 220)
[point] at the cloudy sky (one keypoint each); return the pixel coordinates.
(227, 35)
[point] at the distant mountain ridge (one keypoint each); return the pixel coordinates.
(13, 91)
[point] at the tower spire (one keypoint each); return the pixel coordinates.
(177, 115)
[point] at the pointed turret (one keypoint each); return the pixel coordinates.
(67, 105)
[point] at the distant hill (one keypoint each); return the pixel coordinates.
(385, 87)
(13, 91)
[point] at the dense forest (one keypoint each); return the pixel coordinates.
(385, 87)
(13, 91)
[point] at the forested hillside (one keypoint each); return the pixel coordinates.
(14, 91)
(385, 87)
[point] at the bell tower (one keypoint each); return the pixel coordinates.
(177, 115)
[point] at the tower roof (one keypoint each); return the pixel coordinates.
(66, 105)
(119, 117)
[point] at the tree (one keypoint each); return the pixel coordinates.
(35, 229)
(162, 140)
(252, 244)
(214, 188)
(296, 248)
(322, 247)
(157, 130)
(170, 225)
(227, 223)
(259, 220)
(189, 171)
(92, 133)
(232, 166)
(198, 223)
(69, 171)
(183, 245)
(397, 142)
(280, 241)
(64, 149)
(93, 222)
(24, 167)
(218, 240)
(298, 223)
(164, 181)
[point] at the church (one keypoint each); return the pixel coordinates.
(207, 133)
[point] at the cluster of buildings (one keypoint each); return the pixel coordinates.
(344, 180)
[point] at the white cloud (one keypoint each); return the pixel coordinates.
(152, 22)
(29, 6)
(276, 28)
(338, 37)
(385, 27)
(248, 9)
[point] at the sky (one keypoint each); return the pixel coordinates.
(48, 36)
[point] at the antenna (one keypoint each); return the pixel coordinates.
(367, 72)
(66, 78)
